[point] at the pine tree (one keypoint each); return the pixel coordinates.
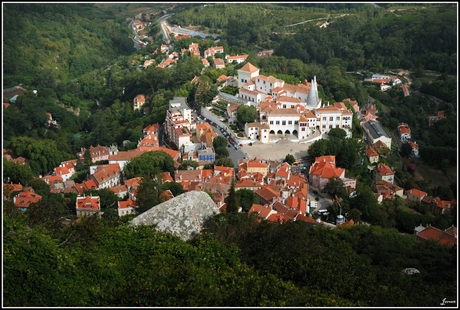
(231, 199)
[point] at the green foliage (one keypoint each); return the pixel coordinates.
(347, 266)
(40, 187)
(232, 199)
(108, 198)
(43, 155)
(219, 142)
(246, 114)
(148, 194)
(175, 188)
(245, 199)
(224, 161)
(16, 173)
(290, 159)
(232, 90)
(337, 133)
(46, 212)
(186, 164)
(348, 152)
(365, 202)
(149, 164)
(222, 152)
(335, 187)
(69, 40)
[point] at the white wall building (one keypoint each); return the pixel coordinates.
(289, 109)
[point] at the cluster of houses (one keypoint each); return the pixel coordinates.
(387, 82)
(284, 108)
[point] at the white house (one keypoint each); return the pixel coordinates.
(246, 73)
(375, 132)
(404, 132)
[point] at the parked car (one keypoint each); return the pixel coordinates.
(315, 192)
(250, 143)
(231, 140)
(322, 212)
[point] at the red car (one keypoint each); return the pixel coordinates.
(231, 140)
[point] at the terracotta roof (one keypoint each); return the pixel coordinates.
(219, 62)
(25, 198)
(249, 182)
(139, 98)
(416, 192)
(278, 206)
(380, 144)
(133, 182)
(105, 172)
(231, 58)
(325, 167)
(9, 188)
(248, 67)
(267, 193)
(174, 154)
(88, 202)
(434, 233)
(283, 171)
(262, 211)
(256, 164)
(284, 112)
(288, 99)
(371, 152)
(383, 169)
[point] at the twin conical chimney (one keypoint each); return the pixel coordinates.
(312, 98)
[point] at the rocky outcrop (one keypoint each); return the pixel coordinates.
(183, 216)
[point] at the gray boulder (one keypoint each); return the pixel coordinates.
(183, 216)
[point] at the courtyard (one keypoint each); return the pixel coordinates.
(278, 149)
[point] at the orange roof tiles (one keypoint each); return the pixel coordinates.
(417, 192)
(25, 198)
(248, 67)
(88, 202)
(371, 152)
(383, 169)
(262, 211)
(434, 233)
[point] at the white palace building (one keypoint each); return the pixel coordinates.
(288, 109)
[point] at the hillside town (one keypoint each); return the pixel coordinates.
(284, 193)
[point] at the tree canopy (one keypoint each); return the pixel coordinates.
(149, 164)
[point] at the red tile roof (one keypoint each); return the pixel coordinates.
(262, 211)
(88, 202)
(248, 67)
(417, 192)
(25, 198)
(383, 169)
(434, 233)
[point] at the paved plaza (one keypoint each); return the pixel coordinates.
(279, 148)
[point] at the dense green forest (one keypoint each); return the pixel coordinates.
(63, 40)
(235, 262)
(364, 37)
(79, 55)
